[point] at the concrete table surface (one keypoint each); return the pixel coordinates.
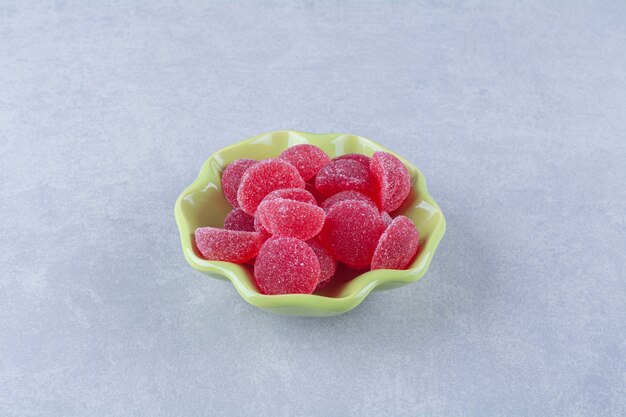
(514, 112)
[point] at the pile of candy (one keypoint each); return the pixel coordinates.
(294, 217)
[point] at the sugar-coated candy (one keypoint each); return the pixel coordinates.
(364, 159)
(328, 265)
(231, 178)
(386, 218)
(296, 194)
(308, 159)
(392, 178)
(351, 232)
(286, 265)
(227, 245)
(284, 217)
(397, 245)
(238, 219)
(346, 195)
(342, 175)
(264, 177)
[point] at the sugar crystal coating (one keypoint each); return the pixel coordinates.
(397, 245)
(284, 217)
(227, 245)
(263, 178)
(231, 178)
(296, 194)
(328, 265)
(386, 218)
(342, 175)
(392, 178)
(351, 232)
(238, 219)
(364, 159)
(286, 265)
(308, 159)
(346, 195)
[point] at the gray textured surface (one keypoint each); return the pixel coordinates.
(515, 113)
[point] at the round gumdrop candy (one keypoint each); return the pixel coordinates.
(296, 194)
(342, 175)
(346, 195)
(397, 245)
(392, 178)
(386, 218)
(291, 218)
(231, 178)
(263, 178)
(351, 232)
(286, 265)
(308, 159)
(227, 245)
(238, 219)
(328, 265)
(364, 159)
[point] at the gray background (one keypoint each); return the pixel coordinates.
(514, 112)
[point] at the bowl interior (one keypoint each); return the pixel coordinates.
(204, 204)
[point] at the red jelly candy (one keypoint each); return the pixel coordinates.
(328, 265)
(386, 218)
(346, 195)
(351, 232)
(393, 179)
(364, 159)
(343, 175)
(231, 178)
(238, 219)
(397, 245)
(263, 178)
(308, 159)
(296, 194)
(286, 265)
(227, 245)
(291, 218)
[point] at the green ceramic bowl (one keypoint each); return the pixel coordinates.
(204, 204)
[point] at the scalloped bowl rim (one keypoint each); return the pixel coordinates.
(359, 287)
